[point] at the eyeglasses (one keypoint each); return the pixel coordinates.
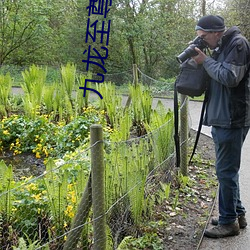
(203, 36)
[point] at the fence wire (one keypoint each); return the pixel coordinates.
(43, 210)
(40, 211)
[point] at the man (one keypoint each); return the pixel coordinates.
(228, 112)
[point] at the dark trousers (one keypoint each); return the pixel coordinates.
(228, 145)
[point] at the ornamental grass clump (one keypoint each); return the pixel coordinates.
(68, 75)
(5, 90)
(33, 86)
(113, 109)
(141, 106)
(160, 131)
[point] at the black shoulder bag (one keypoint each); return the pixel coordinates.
(192, 79)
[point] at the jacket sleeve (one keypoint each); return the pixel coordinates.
(234, 66)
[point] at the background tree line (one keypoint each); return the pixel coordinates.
(149, 33)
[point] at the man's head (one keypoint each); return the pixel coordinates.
(211, 29)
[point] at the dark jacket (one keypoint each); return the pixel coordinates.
(229, 90)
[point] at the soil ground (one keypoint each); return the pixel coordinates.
(187, 223)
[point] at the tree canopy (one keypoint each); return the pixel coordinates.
(149, 33)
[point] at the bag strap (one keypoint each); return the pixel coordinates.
(199, 127)
(176, 126)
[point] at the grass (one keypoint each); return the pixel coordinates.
(53, 74)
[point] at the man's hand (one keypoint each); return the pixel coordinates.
(200, 58)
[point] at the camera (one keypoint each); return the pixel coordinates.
(190, 51)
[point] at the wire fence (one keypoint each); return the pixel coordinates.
(43, 208)
(158, 87)
(55, 210)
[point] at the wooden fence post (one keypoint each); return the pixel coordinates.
(98, 194)
(135, 74)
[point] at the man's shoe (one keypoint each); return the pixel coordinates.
(241, 219)
(221, 231)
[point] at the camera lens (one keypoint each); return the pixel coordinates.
(190, 51)
(187, 53)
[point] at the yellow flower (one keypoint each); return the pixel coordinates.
(45, 151)
(38, 155)
(16, 152)
(31, 187)
(12, 145)
(69, 211)
(73, 199)
(14, 209)
(37, 196)
(102, 112)
(6, 132)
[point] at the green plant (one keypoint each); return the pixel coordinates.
(141, 104)
(30, 208)
(113, 109)
(121, 131)
(48, 98)
(23, 246)
(176, 199)
(161, 128)
(68, 74)
(184, 181)
(6, 196)
(164, 191)
(126, 172)
(5, 89)
(45, 138)
(80, 100)
(147, 241)
(33, 86)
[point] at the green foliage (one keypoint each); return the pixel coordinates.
(43, 137)
(114, 108)
(123, 124)
(126, 172)
(164, 191)
(147, 241)
(80, 101)
(128, 161)
(23, 23)
(57, 188)
(6, 184)
(161, 126)
(48, 98)
(141, 104)
(5, 89)
(30, 206)
(68, 73)
(144, 33)
(33, 86)
(29, 245)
